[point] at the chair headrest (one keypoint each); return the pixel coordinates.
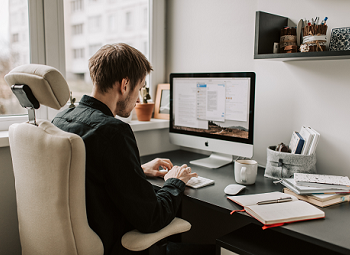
(47, 84)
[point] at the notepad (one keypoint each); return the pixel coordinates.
(302, 190)
(276, 213)
(322, 180)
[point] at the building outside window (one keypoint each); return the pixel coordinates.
(14, 44)
(103, 22)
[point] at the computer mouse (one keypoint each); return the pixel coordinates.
(233, 189)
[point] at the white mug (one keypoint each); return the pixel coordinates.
(246, 171)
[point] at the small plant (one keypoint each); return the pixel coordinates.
(72, 101)
(145, 94)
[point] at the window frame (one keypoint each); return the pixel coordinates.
(47, 46)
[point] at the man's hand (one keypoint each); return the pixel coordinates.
(180, 172)
(151, 168)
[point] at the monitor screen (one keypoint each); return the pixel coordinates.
(216, 108)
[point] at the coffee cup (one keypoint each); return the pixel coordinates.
(246, 171)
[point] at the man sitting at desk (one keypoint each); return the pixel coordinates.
(118, 196)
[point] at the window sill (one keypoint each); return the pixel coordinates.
(148, 125)
(4, 138)
(136, 126)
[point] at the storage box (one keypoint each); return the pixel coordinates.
(284, 165)
(340, 39)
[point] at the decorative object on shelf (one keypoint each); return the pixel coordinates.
(72, 101)
(144, 109)
(340, 39)
(314, 38)
(162, 109)
(288, 40)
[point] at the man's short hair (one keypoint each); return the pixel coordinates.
(114, 62)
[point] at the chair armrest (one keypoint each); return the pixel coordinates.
(136, 241)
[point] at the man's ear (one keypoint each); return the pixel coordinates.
(124, 85)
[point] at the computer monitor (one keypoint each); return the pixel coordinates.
(213, 112)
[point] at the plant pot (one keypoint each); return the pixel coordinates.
(144, 111)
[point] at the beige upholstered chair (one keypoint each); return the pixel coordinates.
(49, 170)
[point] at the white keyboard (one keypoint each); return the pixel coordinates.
(199, 182)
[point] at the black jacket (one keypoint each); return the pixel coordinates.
(118, 196)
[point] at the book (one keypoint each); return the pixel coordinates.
(296, 143)
(322, 181)
(277, 213)
(315, 140)
(308, 137)
(321, 200)
(302, 190)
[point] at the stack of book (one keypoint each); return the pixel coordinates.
(321, 200)
(305, 141)
(321, 190)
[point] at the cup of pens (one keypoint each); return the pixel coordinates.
(314, 36)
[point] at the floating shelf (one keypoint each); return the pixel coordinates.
(267, 31)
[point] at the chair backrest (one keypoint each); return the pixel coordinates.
(49, 170)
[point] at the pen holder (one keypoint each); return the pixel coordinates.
(284, 165)
(314, 38)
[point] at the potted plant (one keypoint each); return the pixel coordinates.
(144, 109)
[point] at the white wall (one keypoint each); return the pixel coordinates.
(218, 36)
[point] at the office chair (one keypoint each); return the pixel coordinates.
(49, 170)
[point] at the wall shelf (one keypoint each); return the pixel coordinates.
(267, 31)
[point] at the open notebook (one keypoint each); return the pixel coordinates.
(277, 213)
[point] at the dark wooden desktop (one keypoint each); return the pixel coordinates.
(208, 209)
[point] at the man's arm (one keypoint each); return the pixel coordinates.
(134, 196)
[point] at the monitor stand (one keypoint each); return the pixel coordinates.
(215, 160)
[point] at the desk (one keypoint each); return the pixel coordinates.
(332, 233)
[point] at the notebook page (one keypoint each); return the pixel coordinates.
(245, 200)
(284, 212)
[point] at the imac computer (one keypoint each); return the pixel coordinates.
(213, 112)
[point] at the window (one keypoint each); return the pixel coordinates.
(94, 24)
(128, 20)
(77, 5)
(14, 43)
(77, 29)
(78, 53)
(112, 22)
(15, 37)
(50, 46)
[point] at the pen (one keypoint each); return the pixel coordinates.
(280, 200)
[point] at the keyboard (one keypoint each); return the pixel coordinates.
(199, 182)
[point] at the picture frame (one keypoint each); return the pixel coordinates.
(162, 106)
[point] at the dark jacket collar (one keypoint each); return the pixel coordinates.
(96, 104)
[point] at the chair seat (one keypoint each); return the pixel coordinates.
(137, 241)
